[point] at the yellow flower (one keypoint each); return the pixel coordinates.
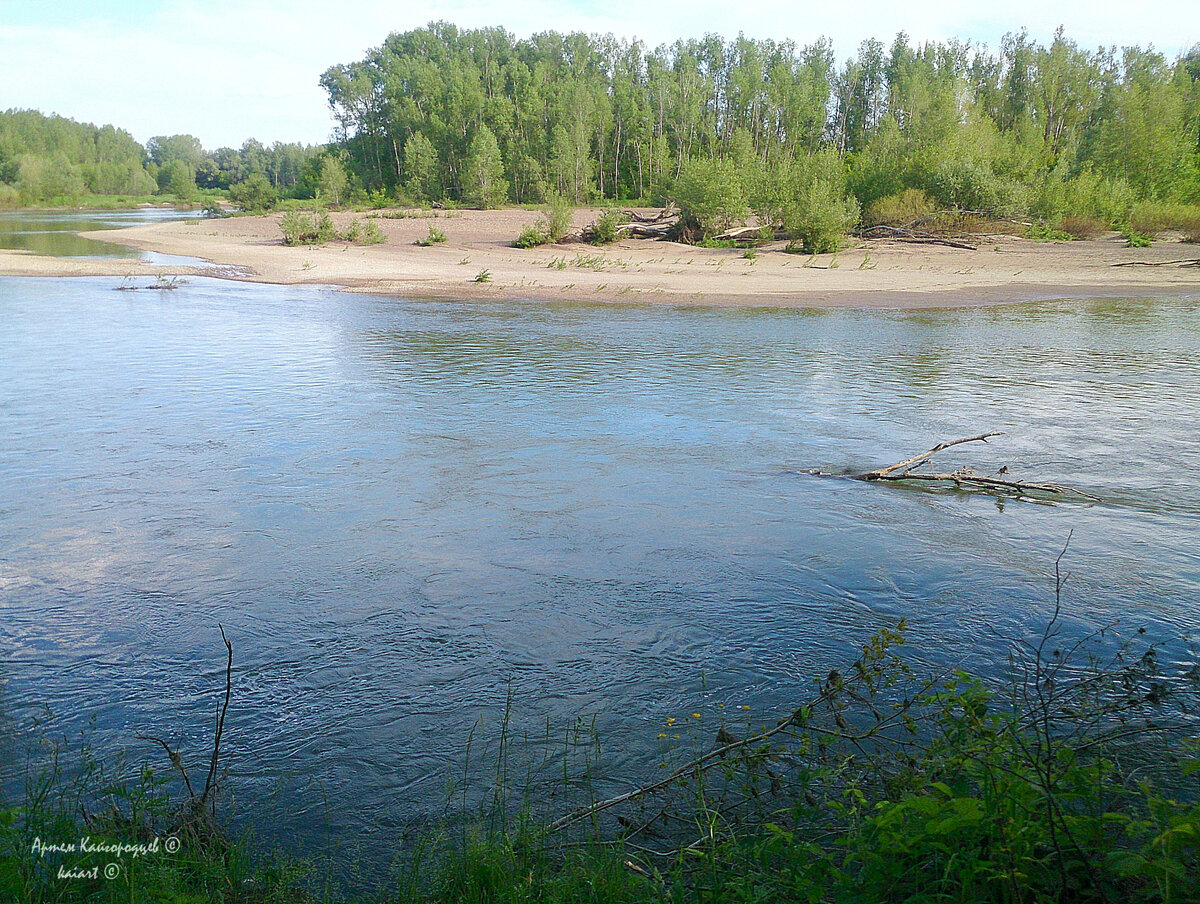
(670, 720)
(662, 734)
(695, 715)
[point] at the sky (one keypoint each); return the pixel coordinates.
(228, 70)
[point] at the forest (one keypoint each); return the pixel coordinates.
(1075, 139)
(54, 160)
(479, 117)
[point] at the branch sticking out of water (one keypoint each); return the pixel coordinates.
(964, 478)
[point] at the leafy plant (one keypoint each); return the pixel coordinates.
(434, 237)
(302, 228)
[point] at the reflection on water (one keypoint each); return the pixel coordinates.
(53, 232)
(400, 510)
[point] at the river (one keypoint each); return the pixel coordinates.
(403, 511)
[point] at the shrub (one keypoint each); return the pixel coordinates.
(1082, 227)
(254, 194)
(435, 237)
(531, 237)
(819, 218)
(710, 198)
(900, 209)
(605, 230)
(300, 228)
(1040, 232)
(1137, 240)
(553, 224)
(555, 221)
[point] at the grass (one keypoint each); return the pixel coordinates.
(1071, 778)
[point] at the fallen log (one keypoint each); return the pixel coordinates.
(1185, 262)
(963, 478)
(905, 234)
(738, 233)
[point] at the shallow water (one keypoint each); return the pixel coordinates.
(402, 510)
(53, 232)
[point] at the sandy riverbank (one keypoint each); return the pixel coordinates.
(1004, 268)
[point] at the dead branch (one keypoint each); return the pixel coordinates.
(910, 463)
(220, 728)
(911, 235)
(965, 478)
(1186, 262)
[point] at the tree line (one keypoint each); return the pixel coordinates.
(476, 116)
(51, 159)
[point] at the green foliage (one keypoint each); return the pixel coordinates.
(360, 233)
(1138, 240)
(333, 184)
(710, 197)
(553, 224)
(421, 168)
(483, 171)
(900, 209)
(303, 228)
(254, 195)
(555, 221)
(818, 219)
(604, 230)
(750, 254)
(1040, 232)
(531, 237)
(434, 237)
(483, 276)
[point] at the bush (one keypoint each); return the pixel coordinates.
(819, 218)
(552, 225)
(531, 237)
(1040, 232)
(900, 209)
(711, 199)
(254, 194)
(301, 228)
(605, 230)
(435, 237)
(1082, 227)
(363, 234)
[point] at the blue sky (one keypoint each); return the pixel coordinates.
(227, 70)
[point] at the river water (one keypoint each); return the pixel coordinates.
(403, 511)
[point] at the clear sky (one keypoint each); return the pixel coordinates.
(227, 70)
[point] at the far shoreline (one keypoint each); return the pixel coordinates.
(872, 274)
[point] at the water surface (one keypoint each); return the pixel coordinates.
(402, 510)
(54, 232)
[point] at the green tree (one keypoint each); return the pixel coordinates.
(483, 171)
(332, 183)
(421, 168)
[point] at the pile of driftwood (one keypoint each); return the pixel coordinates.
(665, 224)
(911, 470)
(917, 232)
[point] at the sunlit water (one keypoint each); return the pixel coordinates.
(400, 510)
(55, 232)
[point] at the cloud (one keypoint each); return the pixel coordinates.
(226, 71)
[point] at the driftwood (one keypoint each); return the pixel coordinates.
(964, 478)
(660, 226)
(912, 235)
(1186, 262)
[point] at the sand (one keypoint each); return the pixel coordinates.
(875, 273)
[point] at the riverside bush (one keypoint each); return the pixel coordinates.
(818, 219)
(303, 228)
